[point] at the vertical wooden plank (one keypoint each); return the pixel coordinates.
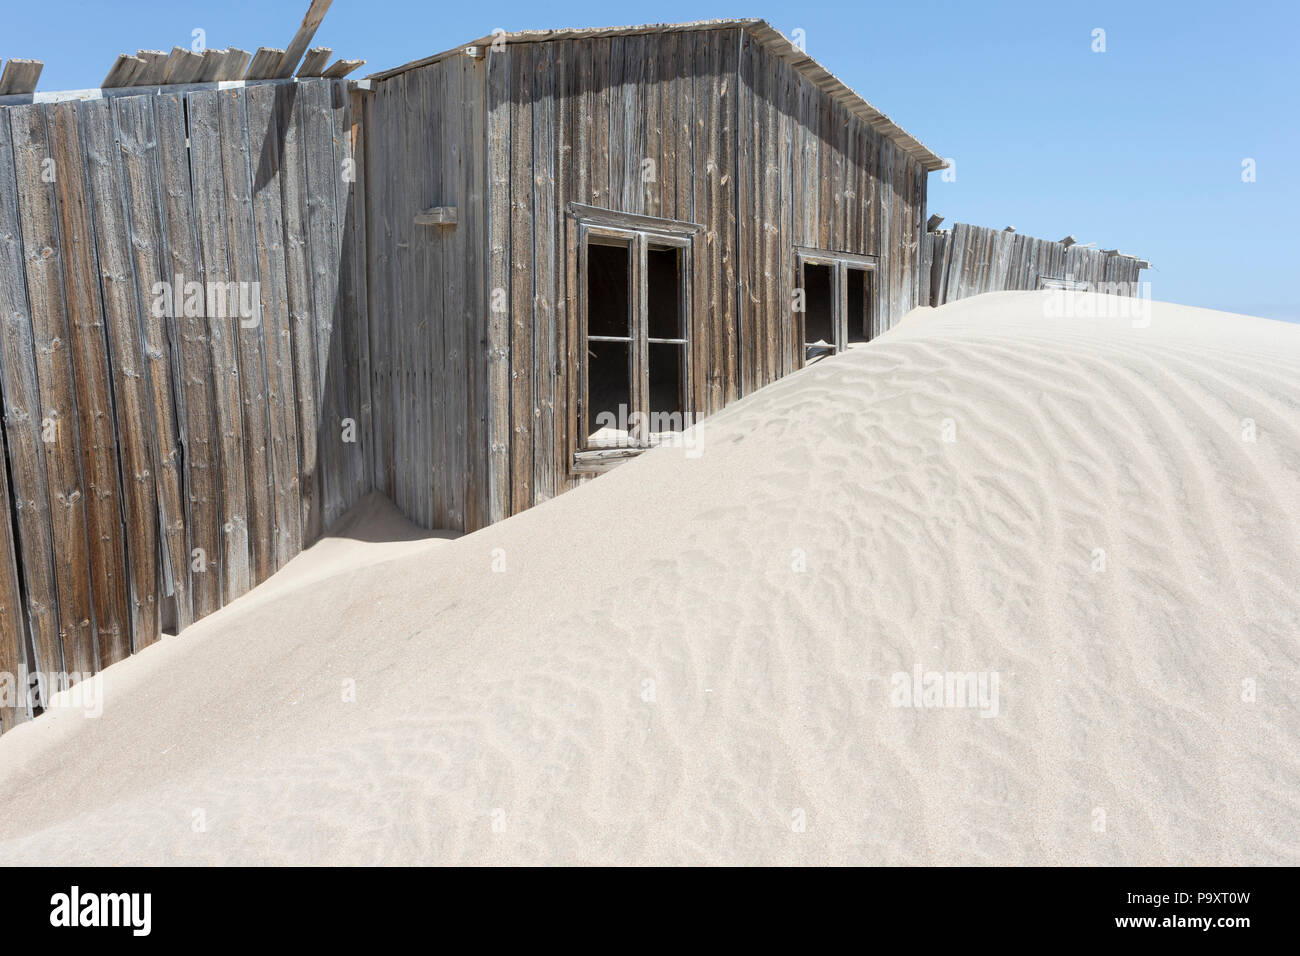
(133, 119)
(131, 395)
(22, 429)
(379, 278)
(561, 161)
(14, 708)
(246, 330)
(192, 360)
(433, 282)
(521, 286)
(500, 143)
(89, 353)
(728, 98)
(323, 262)
(302, 325)
(474, 160)
(355, 251)
(59, 428)
(215, 254)
(702, 114)
(265, 158)
(545, 102)
(620, 190)
(772, 312)
(601, 147)
(346, 348)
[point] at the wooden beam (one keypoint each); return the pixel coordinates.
(437, 216)
(265, 62)
(342, 68)
(1068, 241)
(933, 222)
(314, 62)
(302, 39)
(20, 76)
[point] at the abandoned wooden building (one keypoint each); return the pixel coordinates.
(597, 234)
(470, 283)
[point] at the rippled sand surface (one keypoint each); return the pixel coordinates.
(713, 659)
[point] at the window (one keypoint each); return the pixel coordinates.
(837, 300)
(633, 319)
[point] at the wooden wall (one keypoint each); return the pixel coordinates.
(428, 292)
(741, 144)
(971, 260)
(811, 174)
(133, 438)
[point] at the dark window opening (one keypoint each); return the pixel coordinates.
(609, 392)
(635, 374)
(608, 311)
(664, 293)
(667, 388)
(859, 305)
(609, 343)
(819, 307)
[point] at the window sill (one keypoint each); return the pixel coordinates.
(596, 461)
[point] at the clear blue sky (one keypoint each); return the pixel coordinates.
(1139, 147)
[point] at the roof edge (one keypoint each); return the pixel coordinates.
(763, 32)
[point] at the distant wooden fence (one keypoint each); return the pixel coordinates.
(164, 456)
(971, 260)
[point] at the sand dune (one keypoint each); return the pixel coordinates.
(709, 659)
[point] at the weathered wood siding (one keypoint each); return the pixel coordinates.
(429, 292)
(810, 174)
(703, 126)
(970, 260)
(160, 463)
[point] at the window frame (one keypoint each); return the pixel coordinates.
(638, 234)
(840, 263)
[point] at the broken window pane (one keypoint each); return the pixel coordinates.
(608, 311)
(664, 292)
(667, 388)
(609, 392)
(859, 305)
(819, 306)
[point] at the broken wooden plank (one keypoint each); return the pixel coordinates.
(20, 76)
(210, 68)
(155, 63)
(182, 66)
(236, 61)
(302, 39)
(265, 63)
(342, 68)
(123, 72)
(313, 63)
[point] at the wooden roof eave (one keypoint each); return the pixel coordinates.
(763, 32)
